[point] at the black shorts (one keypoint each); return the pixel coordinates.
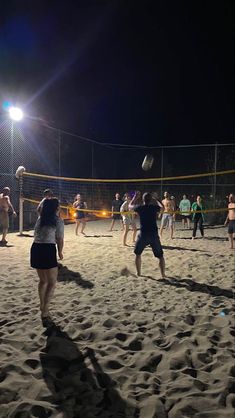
(43, 256)
(80, 215)
(185, 216)
(116, 216)
(152, 240)
(231, 227)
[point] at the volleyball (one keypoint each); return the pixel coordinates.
(147, 162)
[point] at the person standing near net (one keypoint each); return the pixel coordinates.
(198, 218)
(174, 214)
(5, 205)
(48, 233)
(184, 208)
(230, 220)
(167, 216)
(116, 205)
(47, 194)
(148, 213)
(80, 214)
(128, 218)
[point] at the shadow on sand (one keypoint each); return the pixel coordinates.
(25, 235)
(217, 238)
(172, 247)
(3, 244)
(193, 286)
(98, 236)
(79, 386)
(66, 275)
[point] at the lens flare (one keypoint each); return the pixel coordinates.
(15, 113)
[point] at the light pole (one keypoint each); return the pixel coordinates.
(16, 115)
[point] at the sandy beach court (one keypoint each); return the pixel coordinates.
(120, 345)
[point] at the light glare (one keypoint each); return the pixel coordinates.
(15, 113)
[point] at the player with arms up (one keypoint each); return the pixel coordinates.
(167, 217)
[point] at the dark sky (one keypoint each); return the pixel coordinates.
(147, 72)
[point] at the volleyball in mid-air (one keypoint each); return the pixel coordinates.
(147, 162)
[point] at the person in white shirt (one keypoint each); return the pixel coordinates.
(185, 207)
(128, 219)
(48, 234)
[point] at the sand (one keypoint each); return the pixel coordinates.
(120, 345)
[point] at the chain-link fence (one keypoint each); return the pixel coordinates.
(46, 150)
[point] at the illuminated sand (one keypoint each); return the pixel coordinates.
(121, 346)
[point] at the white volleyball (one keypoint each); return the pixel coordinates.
(148, 162)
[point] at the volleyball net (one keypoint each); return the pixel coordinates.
(99, 193)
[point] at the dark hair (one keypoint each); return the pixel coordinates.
(48, 213)
(48, 191)
(233, 197)
(147, 198)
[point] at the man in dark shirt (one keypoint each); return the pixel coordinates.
(148, 213)
(116, 204)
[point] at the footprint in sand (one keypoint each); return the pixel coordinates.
(191, 372)
(135, 345)
(32, 363)
(120, 336)
(152, 364)
(114, 365)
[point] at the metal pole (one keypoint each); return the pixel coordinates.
(92, 175)
(21, 209)
(59, 162)
(162, 169)
(19, 176)
(215, 172)
(12, 167)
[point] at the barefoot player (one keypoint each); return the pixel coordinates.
(148, 213)
(80, 214)
(167, 217)
(231, 219)
(128, 219)
(5, 205)
(116, 205)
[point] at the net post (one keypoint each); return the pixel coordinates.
(21, 215)
(162, 169)
(59, 162)
(19, 175)
(215, 171)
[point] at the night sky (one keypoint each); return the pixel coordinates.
(129, 72)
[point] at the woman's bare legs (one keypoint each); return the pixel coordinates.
(125, 232)
(134, 227)
(83, 222)
(77, 225)
(52, 275)
(42, 286)
(46, 287)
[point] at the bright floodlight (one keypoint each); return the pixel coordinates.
(15, 113)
